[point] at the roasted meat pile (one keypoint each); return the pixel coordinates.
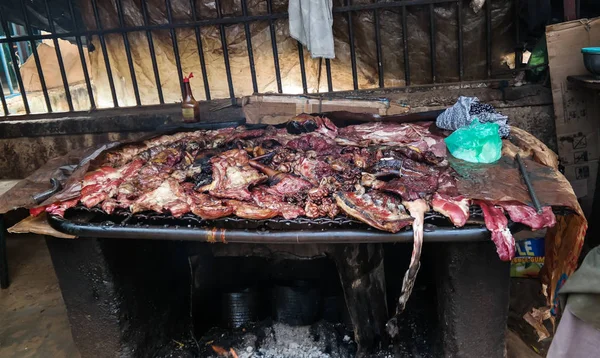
(384, 174)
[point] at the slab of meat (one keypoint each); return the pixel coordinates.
(161, 199)
(497, 223)
(251, 211)
(312, 141)
(283, 185)
(527, 215)
(416, 135)
(456, 209)
(264, 198)
(232, 176)
(60, 208)
(379, 210)
(202, 205)
(103, 183)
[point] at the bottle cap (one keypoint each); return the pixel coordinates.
(187, 79)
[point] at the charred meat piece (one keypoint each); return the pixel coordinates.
(232, 176)
(376, 209)
(316, 208)
(415, 154)
(456, 209)
(496, 222)
(305, 123)
(527, 215)
(251, 211)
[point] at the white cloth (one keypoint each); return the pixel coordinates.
(311, 23)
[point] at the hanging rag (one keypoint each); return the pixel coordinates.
(466, 109)
(311, 23)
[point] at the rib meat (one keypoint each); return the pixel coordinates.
(456, 209)
(232, 176)
(527, 215)
(379, 210)
(496, 222)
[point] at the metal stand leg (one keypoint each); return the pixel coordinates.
(3, 260)
(360, 267)
(473, 294)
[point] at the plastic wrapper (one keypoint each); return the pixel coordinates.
(476, 143)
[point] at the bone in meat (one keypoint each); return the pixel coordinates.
(496, 222)
(417, 210)
(456, 209)
(263, 198)
(527, 215)
(232, 176)
(376, 209)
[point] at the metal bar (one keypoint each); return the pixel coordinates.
(225, 54)
(302, 69)
(111, 82)
(338, 236)
(22, 52)
(329, 80)
(61, 65)
(200, 51)
(2, 99)
(378, 45)
(432, 41)
(461, 65)
(175, 48)
(249, 46)
(405, 45)
(518, 50)
(352, 49)
(527, 180)
(223, 21)
(488, 32)
(36, 57)
(13, 58)
(86, 75)
(5, 70)
(136, 91)
(161, 98)
(274, 46)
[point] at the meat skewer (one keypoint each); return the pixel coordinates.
(417, 210)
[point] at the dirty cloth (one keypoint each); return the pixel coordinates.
(311, 23)
(581, 292)
(574, 338)
(466, 109)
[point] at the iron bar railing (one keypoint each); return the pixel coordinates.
(221, 21)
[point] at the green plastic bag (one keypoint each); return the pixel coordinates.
(476, 143)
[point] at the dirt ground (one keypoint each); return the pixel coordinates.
(33, 317)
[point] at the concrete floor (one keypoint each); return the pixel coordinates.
(33, 318)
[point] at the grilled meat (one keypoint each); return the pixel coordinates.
(379, 210)
(232, 176)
